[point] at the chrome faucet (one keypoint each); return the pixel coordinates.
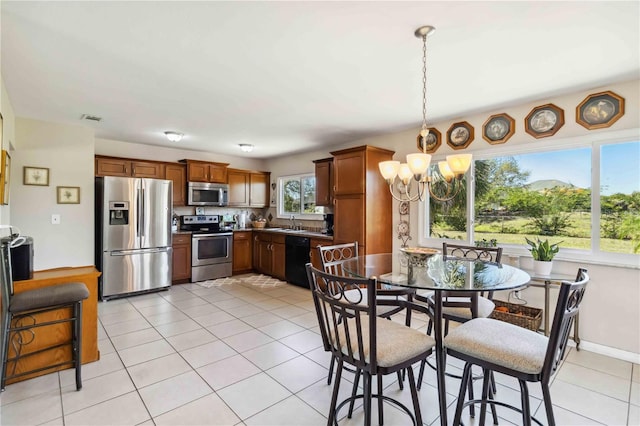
(293, 223)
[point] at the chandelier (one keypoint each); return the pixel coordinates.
(417, 166)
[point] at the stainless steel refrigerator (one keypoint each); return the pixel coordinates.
(133, 235)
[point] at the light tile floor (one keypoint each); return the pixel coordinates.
(243, 354)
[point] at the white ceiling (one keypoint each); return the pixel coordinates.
(297, 76)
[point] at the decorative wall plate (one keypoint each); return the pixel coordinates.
(544, 120)
(434, 140)
(460, 135)
(403, 208)
(403, 228)
(600, 110)
(498, 128)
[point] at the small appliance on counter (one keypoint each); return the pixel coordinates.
(22, 259)
(328, 224)
(211, 246)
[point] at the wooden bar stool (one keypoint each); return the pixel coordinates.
(19, 318)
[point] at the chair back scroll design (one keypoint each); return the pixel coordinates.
(567, 307)
(489, 254)
(332, 256)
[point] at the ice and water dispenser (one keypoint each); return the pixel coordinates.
(118, 213)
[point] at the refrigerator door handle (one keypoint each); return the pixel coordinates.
(138, 212)
(142, 212)
(139, 251)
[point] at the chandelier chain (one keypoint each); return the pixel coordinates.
(424, 82)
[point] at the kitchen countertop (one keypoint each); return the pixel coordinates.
(302, 233)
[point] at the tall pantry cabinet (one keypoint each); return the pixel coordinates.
(362, 202)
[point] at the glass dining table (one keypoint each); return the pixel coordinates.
(439, 274)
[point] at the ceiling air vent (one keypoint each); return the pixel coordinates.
(90, 117)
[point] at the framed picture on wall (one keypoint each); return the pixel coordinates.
(5, 175)
(38, 176)
(68, 194)
(544, 120)
(498, 128)
(434, 139)
(600, 110)
(460, 135)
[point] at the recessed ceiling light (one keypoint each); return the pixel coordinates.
(246, 147)
(173, 136)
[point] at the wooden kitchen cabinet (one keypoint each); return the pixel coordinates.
(271, 254)
(242, 252)
(324, 183)
(202, 171)
(362, 201)
(177, 173)
(124, 167)
(248, 188)
(181, 258)
(314, 253)
(238, 188)
(259, 189)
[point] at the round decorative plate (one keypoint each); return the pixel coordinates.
(403, 228)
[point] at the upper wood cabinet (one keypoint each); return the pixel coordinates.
(324, 184)
(202, 171)
(178, 174)
(248, 188)
(259, 192)
(362, 201)
(111, 166)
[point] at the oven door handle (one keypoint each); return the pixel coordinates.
(203, 236)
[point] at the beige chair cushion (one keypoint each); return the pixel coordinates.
(396, 343)
(485, 307)
(500, 343)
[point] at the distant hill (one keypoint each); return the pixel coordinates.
(541, 185)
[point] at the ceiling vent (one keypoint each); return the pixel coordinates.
(90, 117)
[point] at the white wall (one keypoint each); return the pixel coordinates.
(67, 151)
(8, 139)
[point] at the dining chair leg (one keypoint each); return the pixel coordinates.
(485, 394)
(494, 411)
(77, 343)
(6, 324)
(526, 408)
(354, 391)
(380, 401)
(466, 374)
(366, 381)
(400, 380)
(423, 363)
(414, 396)
(331, 365)
(334, 396)
(472, 407)
(551, 421)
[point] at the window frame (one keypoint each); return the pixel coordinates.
(594, 141)
(280, 214)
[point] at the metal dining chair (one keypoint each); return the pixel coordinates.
(357, 336)
(515, 351)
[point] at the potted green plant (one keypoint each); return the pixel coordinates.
(543, 253)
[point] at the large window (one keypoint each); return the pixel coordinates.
(297, 197)
(549, 194)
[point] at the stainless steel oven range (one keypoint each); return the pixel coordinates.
(211, 247)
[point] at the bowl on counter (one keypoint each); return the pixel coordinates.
(257, 224)
(418, 256)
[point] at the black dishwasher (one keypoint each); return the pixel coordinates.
(296, 256)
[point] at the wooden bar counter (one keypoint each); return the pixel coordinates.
(50, 335)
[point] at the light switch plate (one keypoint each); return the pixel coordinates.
(55, 219)
(199, 210)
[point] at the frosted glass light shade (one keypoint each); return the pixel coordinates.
(404, 172)
(445, 170)
(173, 136)
(459, 163)
(418, 163)
(389, 169)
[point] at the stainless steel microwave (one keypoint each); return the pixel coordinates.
(208, 194)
